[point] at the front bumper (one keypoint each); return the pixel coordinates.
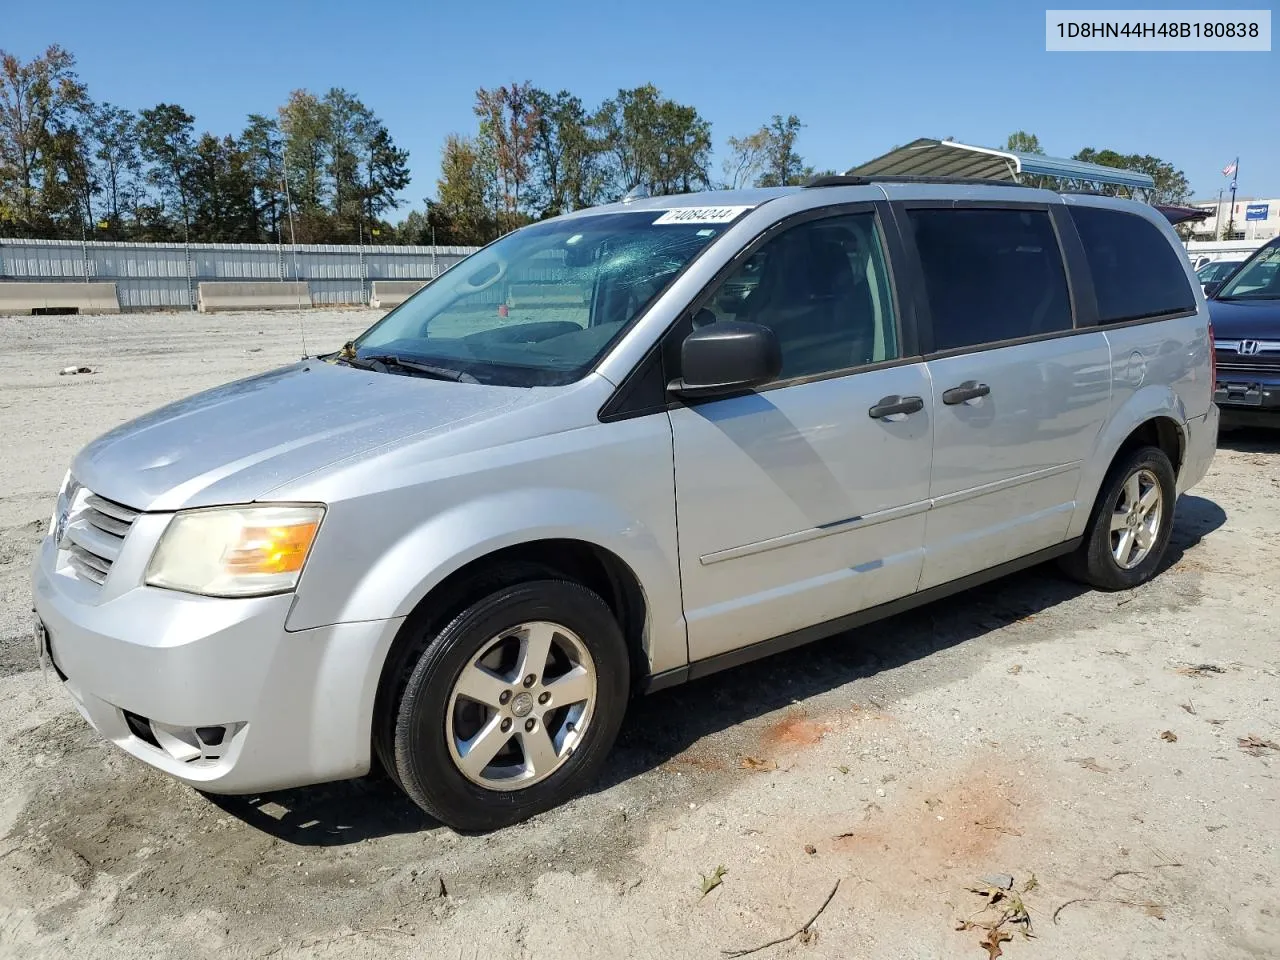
(296, 707)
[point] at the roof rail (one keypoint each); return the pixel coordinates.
(863, 180)
(837, 180)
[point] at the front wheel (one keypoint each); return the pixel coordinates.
(511, 708)
(1132, 520)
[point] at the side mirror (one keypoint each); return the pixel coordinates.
(1212, 287)
(727, 357)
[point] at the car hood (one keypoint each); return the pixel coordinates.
(236, 442)
(1245, 319)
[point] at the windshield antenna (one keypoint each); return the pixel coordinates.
(293, 243)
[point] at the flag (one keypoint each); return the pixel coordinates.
(1230, 169)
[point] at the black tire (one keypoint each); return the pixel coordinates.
(413, 739)
(1093, 562)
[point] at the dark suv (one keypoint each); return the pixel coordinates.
(1246, 323)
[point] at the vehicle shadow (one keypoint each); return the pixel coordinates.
(661, 726)
(330, 814)
(1249, 440)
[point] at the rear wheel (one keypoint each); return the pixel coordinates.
(1132, 520)
(512, 707)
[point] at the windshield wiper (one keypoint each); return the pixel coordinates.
(414, 366)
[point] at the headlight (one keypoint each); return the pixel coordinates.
(62, 505)
(235, 551)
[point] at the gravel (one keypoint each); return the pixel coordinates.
(1014, 730)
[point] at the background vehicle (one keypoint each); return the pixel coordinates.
(1246, 320)
(1215, 271)
(618, 450)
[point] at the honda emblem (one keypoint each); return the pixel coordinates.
(1248, 348)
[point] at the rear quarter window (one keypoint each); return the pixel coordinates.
(1136, 272)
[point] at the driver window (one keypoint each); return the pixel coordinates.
(823, 289)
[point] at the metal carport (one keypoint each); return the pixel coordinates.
(948, 159)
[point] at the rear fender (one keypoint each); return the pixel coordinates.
(1146, 404)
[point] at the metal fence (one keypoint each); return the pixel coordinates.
(157, 276)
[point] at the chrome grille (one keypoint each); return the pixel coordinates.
(1248, 354)
(95, 532)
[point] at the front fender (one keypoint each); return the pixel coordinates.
(407, 570)
(1144, 404)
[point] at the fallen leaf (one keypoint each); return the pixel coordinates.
(1200, 669)
(756, 763)
(1169, 736)
(991, 942)
(843, 769)
(1031, 884)
(810, 849)
(1016, 668)
(1256, 745)
(709, 883)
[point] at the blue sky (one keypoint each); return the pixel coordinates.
(863, 77)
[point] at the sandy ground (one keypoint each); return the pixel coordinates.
(1019, 729)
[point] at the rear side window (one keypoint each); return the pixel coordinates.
(991, 275)
(1136, 271)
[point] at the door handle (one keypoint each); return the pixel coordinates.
(894, 404)
(969, 390)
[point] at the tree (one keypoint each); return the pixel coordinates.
(40, 102)
(783, 166)
(306, 125)
(565, 160)
(220, 182)
(461, 209)
(166, 139)
(508, 128)
(746, 161)
(117, 162)
(345, 140)
(767, 157)
(1171, 185)
(1022, 142)
(386, 172)
(263, 147)
(69, 182)
(653, 142)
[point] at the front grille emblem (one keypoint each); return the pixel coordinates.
(1248, 348)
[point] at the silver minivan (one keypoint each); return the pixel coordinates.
(618, 450)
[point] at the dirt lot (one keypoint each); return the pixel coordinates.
(1020, 729)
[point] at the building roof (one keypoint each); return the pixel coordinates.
(947, 158)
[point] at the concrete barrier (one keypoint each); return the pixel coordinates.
(392, 293)
(25, 299)
(252, 295)
(547, 295)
